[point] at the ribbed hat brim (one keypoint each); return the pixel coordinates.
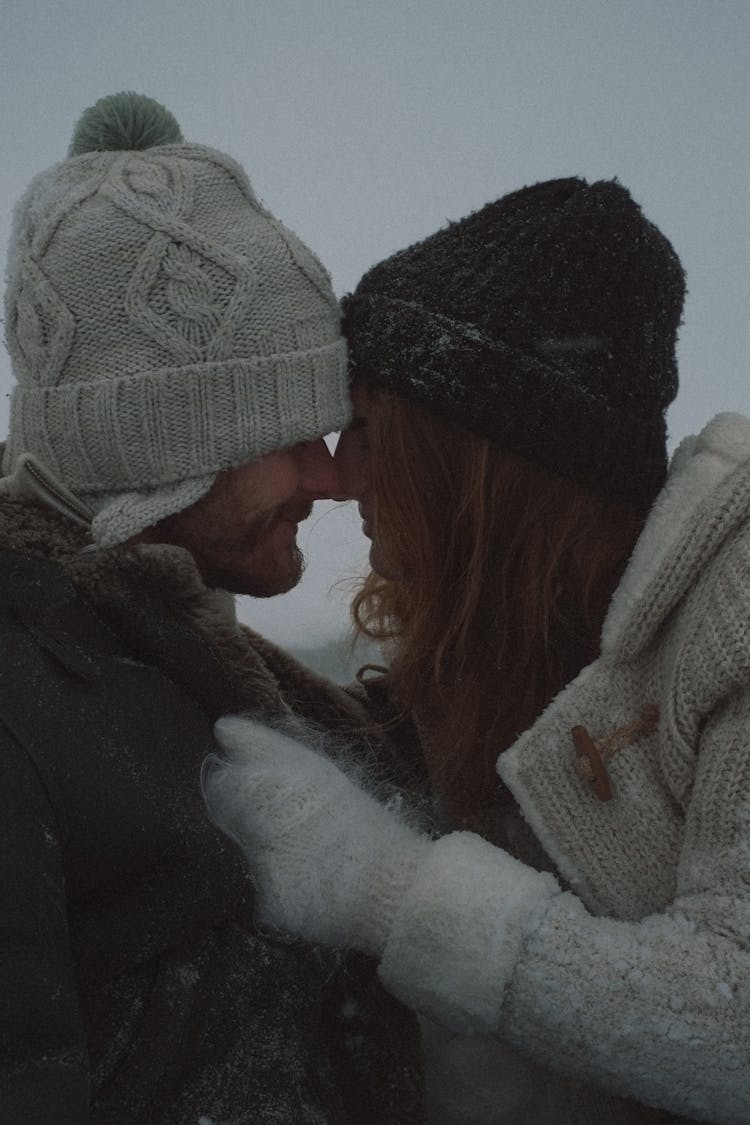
(181, 423)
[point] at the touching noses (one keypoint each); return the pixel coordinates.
(352, 462)
(321, 475)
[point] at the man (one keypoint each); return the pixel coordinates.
(178, 360)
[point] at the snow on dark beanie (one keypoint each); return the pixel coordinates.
(546, 321)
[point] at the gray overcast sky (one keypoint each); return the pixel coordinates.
(365, 125)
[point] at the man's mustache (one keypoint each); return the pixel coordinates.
(295, 511)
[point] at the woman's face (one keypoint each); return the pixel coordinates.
(352, 460)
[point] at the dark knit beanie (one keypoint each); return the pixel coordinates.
(547, 322)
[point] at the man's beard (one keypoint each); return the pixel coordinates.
(241, 565)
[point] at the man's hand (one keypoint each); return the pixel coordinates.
(329, 862)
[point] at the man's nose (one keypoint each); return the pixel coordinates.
(319, 474)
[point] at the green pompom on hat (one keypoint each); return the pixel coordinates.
(124, 122)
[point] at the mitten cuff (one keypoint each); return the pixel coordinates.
(457, 937)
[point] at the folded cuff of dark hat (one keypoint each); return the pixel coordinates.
(531, 404)
(156, 428)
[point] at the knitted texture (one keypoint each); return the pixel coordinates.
(637, 979)
(546, 321)
(162, 326)
(665, 863)
(328, 862)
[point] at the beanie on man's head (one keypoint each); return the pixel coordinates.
(546, 321)
(162, 325)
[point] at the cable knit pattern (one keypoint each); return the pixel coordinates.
(133, 316)
(163, 326)
(637, 978)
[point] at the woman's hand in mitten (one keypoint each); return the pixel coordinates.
(330, 863)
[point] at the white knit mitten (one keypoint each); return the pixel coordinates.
(330, 864)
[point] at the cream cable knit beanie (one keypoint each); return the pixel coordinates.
(162, 325)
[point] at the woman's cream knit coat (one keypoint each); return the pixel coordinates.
(636, 976)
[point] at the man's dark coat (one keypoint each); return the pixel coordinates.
(134, 987)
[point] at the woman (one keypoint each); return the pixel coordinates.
(517, 367)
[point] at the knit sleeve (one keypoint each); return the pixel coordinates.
(657, 1010)
(43, 1062)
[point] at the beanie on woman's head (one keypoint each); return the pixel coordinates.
(162, 325)
(547, 321)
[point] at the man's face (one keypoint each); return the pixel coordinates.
(243, 532)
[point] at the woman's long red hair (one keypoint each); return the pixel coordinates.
(504, 573)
